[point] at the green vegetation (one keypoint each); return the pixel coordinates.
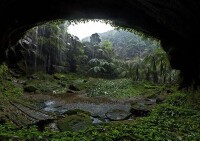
(7, 88)
(114, 66)
(175, 119)
(120, 88)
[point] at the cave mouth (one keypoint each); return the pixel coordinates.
(55, 75)
(51, 48)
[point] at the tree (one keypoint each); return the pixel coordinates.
(74, 53)
(101, 67)
(95, 39)
(107, 51)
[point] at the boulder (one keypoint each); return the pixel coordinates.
(117, 114)
(139, 109)
(74, 122)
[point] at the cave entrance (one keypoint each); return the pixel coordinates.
(62, 72)
(78, 46)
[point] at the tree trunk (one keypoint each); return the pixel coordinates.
(155, 73)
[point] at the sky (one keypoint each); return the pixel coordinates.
(83, 30)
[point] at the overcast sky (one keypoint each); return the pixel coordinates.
(83, 30)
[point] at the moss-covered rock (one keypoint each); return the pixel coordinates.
(74, 122)
(59, 76)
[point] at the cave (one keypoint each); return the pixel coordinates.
(174, 22)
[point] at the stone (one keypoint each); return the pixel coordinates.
(97, 120)
(117, 115)
(139, 110)
(76, 111)
(74, 123)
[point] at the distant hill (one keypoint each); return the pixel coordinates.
(127, 44)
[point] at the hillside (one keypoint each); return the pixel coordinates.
(127, 44)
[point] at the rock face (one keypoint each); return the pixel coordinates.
(175, 22)
(22, 115)
(38, 51)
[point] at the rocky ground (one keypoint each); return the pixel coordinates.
(71, 109)
(53, 111)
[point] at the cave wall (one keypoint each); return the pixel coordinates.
(174, 22)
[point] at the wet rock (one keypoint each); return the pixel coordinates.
(76, 111)
(97, 120)
(30, 88)
(116, 115)
(139, 109)
(74, 123)
(54, 107)
(72, 87)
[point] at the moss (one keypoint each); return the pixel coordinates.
(59, 76)
(8, 89)
(74, 122)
